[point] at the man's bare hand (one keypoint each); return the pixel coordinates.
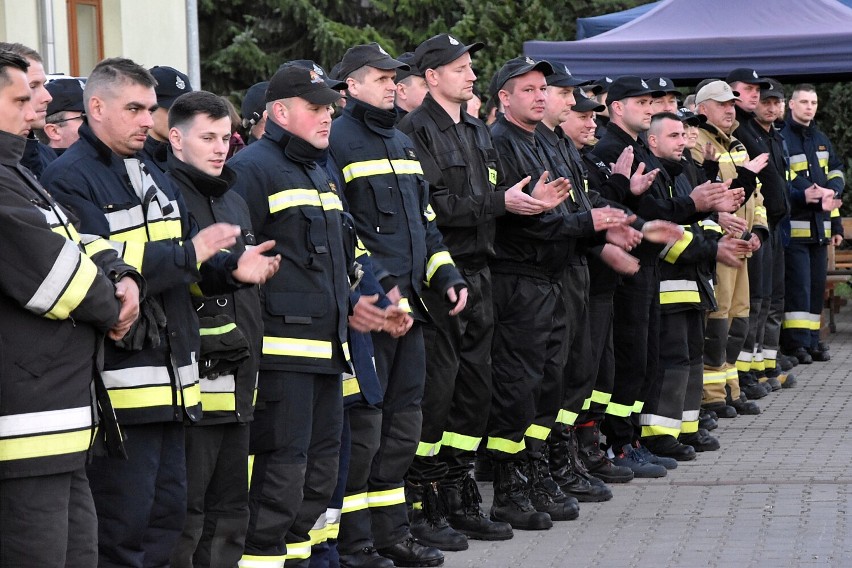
(552, 193)
(757, 164)
(127, 291)
(753, 243)
(459, 300)
(837, 240)
(604, 218)
(732, 224)
(255, 268)
(709, 153)
(640, 181)
(619, 260)
(398, 321)
(707, 195)
(830, 202)
(366, 316)
(730, 251)
(213, 239)
(659, 231)
(624, 163)
(624, 236)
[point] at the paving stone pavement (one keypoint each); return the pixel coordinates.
(778, 494)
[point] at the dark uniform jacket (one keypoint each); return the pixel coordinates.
(37, 156)
(230, 320)
(292, 201)
(812, 161)
(389, 201)
(156, 152)
(55, 305)
(538, 245)
(136, 208)
(460, 163)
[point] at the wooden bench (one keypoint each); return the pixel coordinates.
(839, 271)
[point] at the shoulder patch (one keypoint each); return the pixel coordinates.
(409, 153)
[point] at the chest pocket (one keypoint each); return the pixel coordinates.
(386, 219)
(316, 237)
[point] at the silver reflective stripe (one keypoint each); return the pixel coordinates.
(134, 170)
(656, 420)
(800, 225)
(46, 421)
(124, 219)
(57, 280)
(188, 374)
(322, 521)
(224, 383)
(822, 155)
(136, 377)
(678, 285)
(690, 415)
(332, 516)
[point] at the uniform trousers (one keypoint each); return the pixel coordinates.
(598, 363)
(48, 521)
(217, 511)
(141, 501)
(294, 445)
(775, 315)
(457, 394)
(804, 284)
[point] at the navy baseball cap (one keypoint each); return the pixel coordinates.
(171, 84)
(746, 75)
(370, 54)
(562, 77)
(413, 70)
(517, 67)
(254, 103)
(296, 81)
(308, 64)
(67, 95)
(690, 118)
(663, 84)
(628, 86)
(775, 89)
(442, 49)
(584, 103)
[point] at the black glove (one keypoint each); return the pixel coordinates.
(145, 331)
(223, 345)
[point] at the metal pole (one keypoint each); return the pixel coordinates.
(48, 41)
(193, 57)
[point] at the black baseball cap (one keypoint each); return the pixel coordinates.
(254, 103)
(686, 116)
(171, 84)
(775, 90)
(295, 81)
(663, 84)
(67, 95)
(746, 75)
(628, 86)
(517, 67)
(413, 70)
(370, 54)
(562, 77)
(584, 103)
(442, 49)
(308, 64)
(602, 85)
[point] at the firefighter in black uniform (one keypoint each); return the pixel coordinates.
(231, 332)
(467, 195)
(389, 201)
(54, 310)
(152, 375)
(531, 253)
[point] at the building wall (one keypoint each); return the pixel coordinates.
(150, 32)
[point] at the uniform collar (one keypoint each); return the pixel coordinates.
(295, 148)
(207, 185)
(11, 148)
(440, 116)
(376, 119)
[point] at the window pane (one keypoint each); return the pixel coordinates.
(87, 37)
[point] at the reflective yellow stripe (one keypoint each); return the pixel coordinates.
(677, 249)
(330, 201)
(659, 431)
(621, 410)
(537, 431)
(429, 213)
(587, 404)
(836, 174)
(293, 347)
(599, 397)
(189, 396)
(360, 249)
(404, 305)
(386, 498)
(436, 261)
(743, 366)
(690, 427)
(96, 246)
(164, 230)
(222, 329)
(566, 417)
(460, 441)
(218, 402)
(801, 320)
(294, 198)
(144, 397)
(65, 286)
(298, 550)
(133, 254)
(351, 386)
(504, 445)
(352, 503)
(638, 406)
(45, 445)
(379, 167)
(425, 449)
(667, 298)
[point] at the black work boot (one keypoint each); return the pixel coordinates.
(744, 406)
(483, 468)
(429, 522)
(594, 459)
(569, 473)
(749, 385)
(511, 502)
(410, 552)
(462, 499)
(545, 494)
(366, 557)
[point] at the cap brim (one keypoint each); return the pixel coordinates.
(694, 120)
(565, 81)
(322, 96)
(769, 93)
(388, 64)
(759, 82)
(587, 105)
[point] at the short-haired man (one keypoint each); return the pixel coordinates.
(37, 156)
(727, 326)
(817, 183)
(389, 201)
(254, 111)
(152, 376)
(217, 447)
(410, 86)
(531, 253)
(171, 84)
(54, 311)
(64, 115)
(762, 271)
(295, 437)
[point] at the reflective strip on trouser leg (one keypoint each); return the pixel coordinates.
(798, 316)
(732, 381)
(599, 363)
(663, 408)
(772, 329)
(365, 424)
(694, 384)
(737, 333)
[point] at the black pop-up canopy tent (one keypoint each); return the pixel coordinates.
(694, 39)
(596, 25)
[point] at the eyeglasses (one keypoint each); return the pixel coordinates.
(68, 119)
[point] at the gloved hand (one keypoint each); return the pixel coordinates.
(145, 332)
